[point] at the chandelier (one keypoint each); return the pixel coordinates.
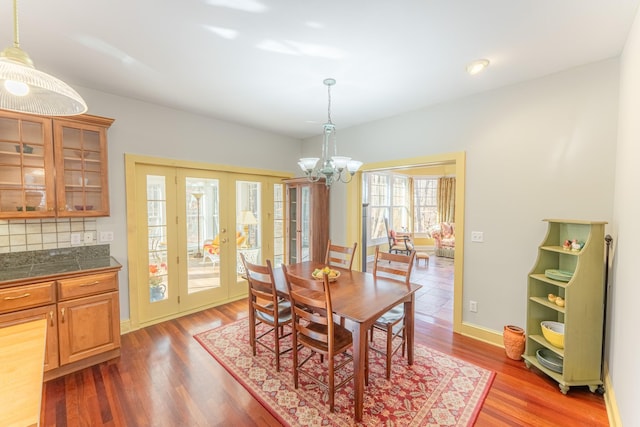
(27, 90)
(330, 166)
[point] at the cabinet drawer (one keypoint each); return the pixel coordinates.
(26, 296)
(87, 285)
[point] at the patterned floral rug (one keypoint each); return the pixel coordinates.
(438, 390)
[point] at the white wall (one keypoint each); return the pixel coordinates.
(540, 149)
(148, 129)
(624, 295)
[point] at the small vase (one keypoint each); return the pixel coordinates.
(514, 340)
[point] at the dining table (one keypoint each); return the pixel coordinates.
(361, 298)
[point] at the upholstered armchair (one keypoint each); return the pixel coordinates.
(399, 243)
(445, 239)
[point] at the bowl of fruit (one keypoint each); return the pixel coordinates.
(319, 273)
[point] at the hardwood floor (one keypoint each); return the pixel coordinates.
(165, 378)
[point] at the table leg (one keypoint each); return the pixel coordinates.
(409, 318)
(360, 347)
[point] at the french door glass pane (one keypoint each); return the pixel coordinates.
(278, 224)
(157, 232)
(248, 225)
(202, 234)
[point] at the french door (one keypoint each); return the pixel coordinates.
(192, 226)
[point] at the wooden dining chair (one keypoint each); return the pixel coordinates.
(266, 307)
(392, 323)
(314, 328)
(340, 256)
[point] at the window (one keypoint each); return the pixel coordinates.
(425, 212)
(389, 197)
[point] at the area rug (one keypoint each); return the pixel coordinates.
(437, 390)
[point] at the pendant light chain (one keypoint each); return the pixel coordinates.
(16, 33)
(329, 103)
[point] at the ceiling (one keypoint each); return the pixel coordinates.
(261, 63)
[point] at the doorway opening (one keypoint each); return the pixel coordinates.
(454, 164)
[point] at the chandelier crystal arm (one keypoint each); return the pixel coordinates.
(330, 166)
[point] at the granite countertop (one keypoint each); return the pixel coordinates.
(33, 264)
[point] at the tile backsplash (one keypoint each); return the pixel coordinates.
(19, 235)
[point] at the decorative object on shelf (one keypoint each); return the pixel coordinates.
(560, 275)
(27, 90)
(26, 149)
(514, 341)
(559, 301)
(330, 166)
(552, 297)
(553, 332)
(549, 360)
(575, 245)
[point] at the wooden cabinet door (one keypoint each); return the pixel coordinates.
(26, 167)
(307, 220)
(47, 312)
(81, 166)
(88, 326)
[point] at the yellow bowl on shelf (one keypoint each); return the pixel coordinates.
(553, 332)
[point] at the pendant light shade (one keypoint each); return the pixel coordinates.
(27, 90)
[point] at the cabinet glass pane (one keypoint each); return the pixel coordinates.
(305, 223)
(82, 170)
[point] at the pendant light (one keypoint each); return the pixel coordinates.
(331, 167)
(27, 90)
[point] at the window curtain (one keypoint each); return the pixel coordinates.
(447, 199)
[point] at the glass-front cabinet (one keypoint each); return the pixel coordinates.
(26, 154)
(53, 167)
(81, 161)
(307, 220)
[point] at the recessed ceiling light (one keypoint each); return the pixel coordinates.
(477, 66)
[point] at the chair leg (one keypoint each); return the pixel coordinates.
(331, 384)
(276, 333)
(295, 359)
(252, 330)
(389, 346)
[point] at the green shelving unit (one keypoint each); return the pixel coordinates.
(583, 312)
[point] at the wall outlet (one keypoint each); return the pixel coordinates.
(106, 236)
(477, 236)
(88, 237)
(473, 306)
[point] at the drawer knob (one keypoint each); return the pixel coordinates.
(25, 295)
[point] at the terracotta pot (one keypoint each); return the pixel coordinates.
(514, 340)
